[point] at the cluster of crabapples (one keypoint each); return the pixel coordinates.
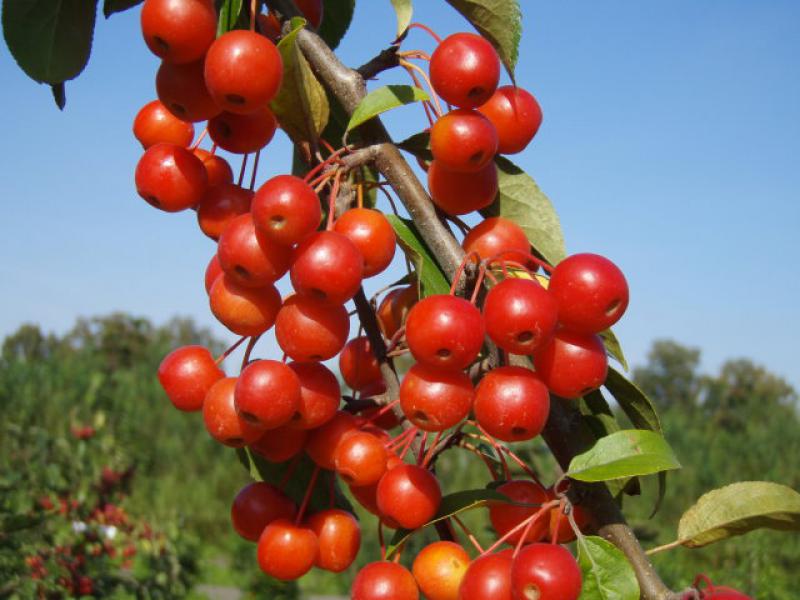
(285, 409)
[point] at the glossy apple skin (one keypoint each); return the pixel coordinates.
(339, 536)
(520, 315)
(548, 570)
(435, 399)
(372, 234)
(463, 140)
(308, 330)
(572, 364)
(321, 447)
(220, 205)
(247, 257)
(244, 310)
(439, 569)
(280, 444)
(488, 578)
(179, 31)
(358, 365)
(170, 178)
(458, 193)
(384, 581)
(465, 70)
(512, 404)
(327, 267)
(217, 168)
(320, 395)
(360, 458)
(287, 551)
(154, 124)
(286, 209)
(243, 134)
(186, 374)
(516, 115)
(409, 495)
(267, 394)
(182, 89)
(497, 237)
(221, 419)
(257, 505)
(504, 517)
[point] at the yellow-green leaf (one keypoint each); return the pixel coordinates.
(383, 99)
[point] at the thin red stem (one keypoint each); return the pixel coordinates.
(426, 29)
(383, 410)
(301, 513)
(290, 471)
(478, 283)
(521, 525)
(400, 438)
(250, 345)
(332, 199)
(470, 536)
(241, 170)
(480, 455)
(410, 441)
(429, 455)
(199, 139)
(497, 447)
(231, 349)
(460, 271)
(324, 164)
(422, 444)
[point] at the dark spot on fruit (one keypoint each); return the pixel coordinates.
(315, 357)
(518, 431)
(161, 43)
(178, 109)
(586, 390)
(612, 308)
(277, 221)
(476, 92)
(420, 416)
(523, 337)
(224, 129)
(296, 416)
(242, 272)
(235, 441)
(477, 157)
(443, 353)
(154, 201)
(249, 417)
(318, 294)
(235, 99)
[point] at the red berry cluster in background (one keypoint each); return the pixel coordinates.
(282, 410)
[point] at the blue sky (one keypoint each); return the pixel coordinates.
(670, 144)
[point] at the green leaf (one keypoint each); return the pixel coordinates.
(520, 200)
(115, 6)
(51, 41)
(737, 509)
(633, 401)
(419, 145)
(336, 18)
(607, 574)
(613, 347)
(383, 99)
(59, 95)
(404, 10)
(626, 453)
(228, 16)
(262, 470)
(499, 21)
(452, 504)
(301, 106)
(429, 275)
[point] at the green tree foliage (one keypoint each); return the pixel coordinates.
(741, 424)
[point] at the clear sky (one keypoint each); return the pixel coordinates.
(670, 144)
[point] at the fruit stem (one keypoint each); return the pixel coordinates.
(250, 345)
(426, 29)
(383, 410)
(400, 438)
(420, 54)
(255, 170)
(658, 549)
(478, 284)
(253, 15)
(497, 448)
(307, 496)
(334, 193)
(228, 352)
(200, 139)
(460, 271)
(360, 195)
(289, 471)
(430, 453)
(422, 444)
(381, 540)
(324, 164)
(525, 523)
(482, 456)
(411, 68)
(241, 170)
(470, 536)
(408, 444)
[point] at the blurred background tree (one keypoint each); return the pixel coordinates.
(89, 440)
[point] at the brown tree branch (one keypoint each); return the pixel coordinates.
(565, 433)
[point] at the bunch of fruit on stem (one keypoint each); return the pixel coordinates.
(282, 409)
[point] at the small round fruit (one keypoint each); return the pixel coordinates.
(322, 444)
(591, 292)
(459, 193)
(488, 578)
(409, 495)
(243, 310)
(309, 330)
(505, 517)
(394, 308)
(247, 257)
(179, 31)
(545, 572)
(186, 374)
(439, 569)
(327, 267)
(465, 70)
(242, 134)
(444, 331)
(287, 551)
(497, 237)
(372, 234)
(221, 419)
(286, 209)
(384, 580)
(213, 270)
(281, 444)
(360, 458)
(512, 404)
(339, 538)
(358, 365)
(560, 527)
(182, 89)
(520, 315)
(463, 140)
(170, 178)
(572, 364)
(218, 170)
(435, 399)
(257, 505)
(220, 205)
(267, 394)
(320, 395)
(516, 115)
(230, 65)
(154, 124)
